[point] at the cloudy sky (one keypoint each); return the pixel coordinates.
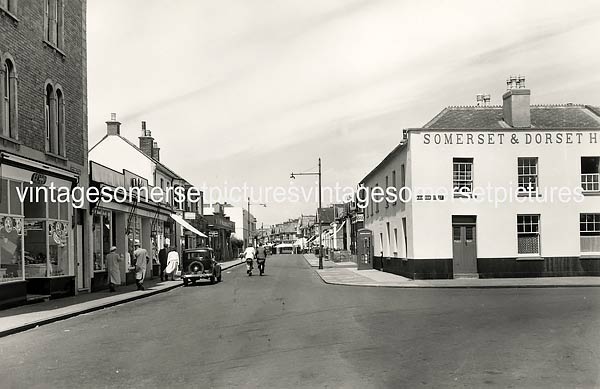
(245, 91)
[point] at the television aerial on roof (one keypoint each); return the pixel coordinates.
(483, 99)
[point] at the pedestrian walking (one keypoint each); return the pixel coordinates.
(261, 258)
(114, 272)
(140, 256)
(172, 264)
(162, 259)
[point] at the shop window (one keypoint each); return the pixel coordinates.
(589, 232)
(46, 238)
(11, 243)
(4, 196)
(528, 234)
(590, 174)
(97, 234)
(58, 248)
(16, 207)
(11, 236)
(527, 170)
(462, 175)
(102, 233)
(35, 209)
(36, 260)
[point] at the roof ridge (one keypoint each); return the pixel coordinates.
(559, 105)
(595, 110)
(474, 106)
(436, 117)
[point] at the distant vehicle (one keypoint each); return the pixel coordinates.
(287, 248)
(200, 263)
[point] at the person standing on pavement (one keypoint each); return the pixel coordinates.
(261, 258)
(114, 272)
(162, 259)
(172, 264)
(140, 256)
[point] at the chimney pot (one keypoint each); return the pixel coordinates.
(113, 127)
(146, 141)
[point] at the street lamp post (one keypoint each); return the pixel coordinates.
(264, 205)
(293, 176)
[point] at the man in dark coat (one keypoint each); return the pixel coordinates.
(162, 259)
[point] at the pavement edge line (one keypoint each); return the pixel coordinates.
(42, 322)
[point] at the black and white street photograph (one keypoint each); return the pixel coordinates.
(299, 194)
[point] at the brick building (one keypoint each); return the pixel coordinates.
(43, 142)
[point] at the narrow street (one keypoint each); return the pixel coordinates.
(289, 329)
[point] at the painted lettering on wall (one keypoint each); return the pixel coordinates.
(514, 138)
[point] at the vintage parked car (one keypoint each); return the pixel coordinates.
(200, 263)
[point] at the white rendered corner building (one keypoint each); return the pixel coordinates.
(495, 191)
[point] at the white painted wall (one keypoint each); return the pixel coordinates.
(117, 154)
(239, 215)
(392, 214)
(496, 165)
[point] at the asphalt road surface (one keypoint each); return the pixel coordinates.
(289, 329)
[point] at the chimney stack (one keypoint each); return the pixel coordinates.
(146, 141)
(113, 127)
(156, 151)
(515, 103)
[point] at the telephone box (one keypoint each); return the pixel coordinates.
(364, 249)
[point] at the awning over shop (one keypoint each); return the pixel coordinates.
(187, 225)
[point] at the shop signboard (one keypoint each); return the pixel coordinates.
(132, 180)
(103, 175)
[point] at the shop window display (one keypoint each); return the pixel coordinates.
(11, 242)
(11, 233)
(58, 248)
(102, 239)
(135, 232)
(46, 240)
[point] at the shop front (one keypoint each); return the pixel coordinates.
(220, 229)
(36, 245)
(122, 223)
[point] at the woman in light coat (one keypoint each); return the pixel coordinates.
(172, 264)
(114, 272)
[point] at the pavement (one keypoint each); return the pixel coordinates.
(289, 329)
(346, 273)
(30, 316)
